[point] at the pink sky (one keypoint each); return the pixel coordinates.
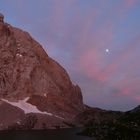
(77, 33)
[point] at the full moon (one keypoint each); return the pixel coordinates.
(107, 50)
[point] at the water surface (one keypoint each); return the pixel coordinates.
(60, 134)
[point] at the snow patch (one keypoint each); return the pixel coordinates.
(45, 95)
(19, 55)
(28, 108)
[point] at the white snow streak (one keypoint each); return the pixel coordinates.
(26, 107)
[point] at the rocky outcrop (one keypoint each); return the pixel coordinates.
(27, 71)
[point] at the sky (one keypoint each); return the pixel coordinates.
(96, 41)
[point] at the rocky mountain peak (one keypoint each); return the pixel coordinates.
(1, 17)
(26, 71)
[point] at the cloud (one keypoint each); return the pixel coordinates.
(129, 3)
(76, 33)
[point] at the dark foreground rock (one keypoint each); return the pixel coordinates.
(125, 127)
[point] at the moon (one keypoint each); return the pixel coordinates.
(107, 50)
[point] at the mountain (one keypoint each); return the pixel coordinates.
(92, 115)
(112, 125)
(34, 88)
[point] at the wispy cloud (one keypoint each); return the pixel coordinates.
(77, 33)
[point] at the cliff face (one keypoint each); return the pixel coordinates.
(26, 71)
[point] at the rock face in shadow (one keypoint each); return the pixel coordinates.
(96, 116)
(27, 71)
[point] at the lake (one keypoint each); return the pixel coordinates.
(59, 134)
